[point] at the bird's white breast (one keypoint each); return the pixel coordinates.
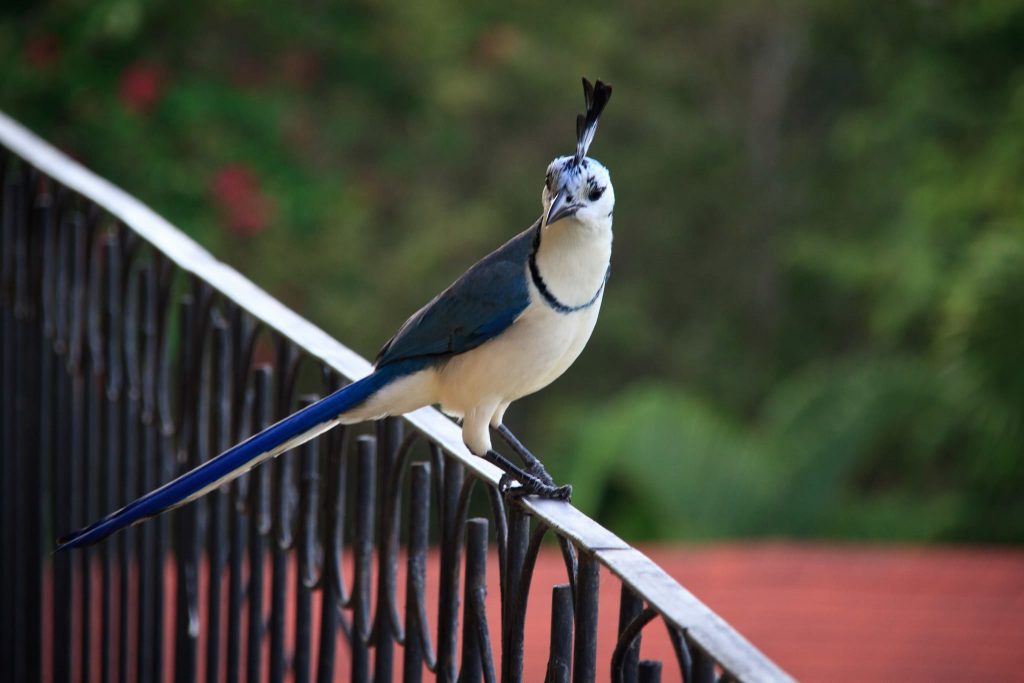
(543, 342)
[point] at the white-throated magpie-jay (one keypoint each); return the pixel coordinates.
(512, 324)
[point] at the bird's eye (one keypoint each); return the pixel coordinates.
(547, 181)
(595, 194)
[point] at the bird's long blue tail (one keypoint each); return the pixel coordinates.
(272, 441)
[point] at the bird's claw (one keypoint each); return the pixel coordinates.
(563, 492)
(505, 483)
(532, 487)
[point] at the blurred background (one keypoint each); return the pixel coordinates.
(815, 320)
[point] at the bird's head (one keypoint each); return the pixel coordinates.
(577, 186)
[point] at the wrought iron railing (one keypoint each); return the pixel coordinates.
(129, 354)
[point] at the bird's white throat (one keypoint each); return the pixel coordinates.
(573, 259)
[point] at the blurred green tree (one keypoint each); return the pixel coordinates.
(815, 320)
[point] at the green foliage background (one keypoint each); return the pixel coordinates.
(815, 322)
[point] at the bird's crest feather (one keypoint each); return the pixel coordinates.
(596, 96)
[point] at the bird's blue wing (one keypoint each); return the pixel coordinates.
(477, 307)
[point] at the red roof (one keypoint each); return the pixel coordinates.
(866, 612)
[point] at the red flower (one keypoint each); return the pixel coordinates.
(141, 87)
(245, 209)
(42, 51)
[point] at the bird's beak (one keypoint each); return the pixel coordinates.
(560, 207)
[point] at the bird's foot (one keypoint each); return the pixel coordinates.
(532, 463)
(529, 484)
(540, 473)
(532, 486)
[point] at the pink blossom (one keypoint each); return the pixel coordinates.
(245, 208)
(141, 87)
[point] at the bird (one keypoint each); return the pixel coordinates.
(509, 326)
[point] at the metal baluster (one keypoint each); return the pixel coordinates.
(189, 453)
(309, 496)
(703, 665)
(7, 424)
(28, 586)
(284, 505)
(417, 638)
(94, 373)
(219, 500)
(334, 524)
(61, 465)
(259, 526)
(630, 605)
(110, 450)
(148, 569)
(132, 431)
(28, 573)
(165, 460)
(391, 521)
(513, 604)
(649, 672)
(243, 339)
(193, 402)
(475, 651)
(500, 517)
(18, 457)
(560, 649)
(7, 437)
(584, 662)
(361, 620)
(237, 534)
(76, 452)
(37, 545)
(331, 587)
(451, 548)
(389, 437)
(46, 424)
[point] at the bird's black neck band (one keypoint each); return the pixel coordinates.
(549, 298)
